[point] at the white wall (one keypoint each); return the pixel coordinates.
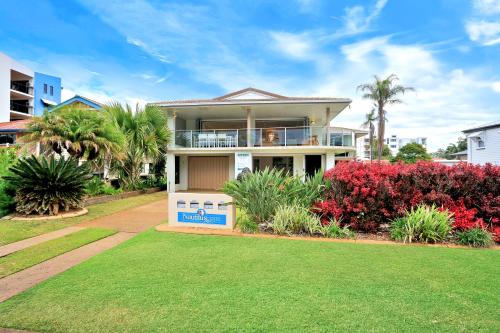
(491, 151)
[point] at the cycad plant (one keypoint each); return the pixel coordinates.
(45, 186)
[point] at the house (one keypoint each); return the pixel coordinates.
(11, 131)
(216, 139)
(483, 143)
(23, 92)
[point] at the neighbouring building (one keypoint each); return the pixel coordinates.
(24, 93)
(483, 143)
(216, 139)
(394, 143)
(80, 102)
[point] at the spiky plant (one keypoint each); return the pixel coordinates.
(44, 186)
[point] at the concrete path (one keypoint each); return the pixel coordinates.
(133, 220)
(14, 284)
(13, 247)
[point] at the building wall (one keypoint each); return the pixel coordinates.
(491, 151)
(50, 81)
(6, 65)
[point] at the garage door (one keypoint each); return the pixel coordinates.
(207, 172)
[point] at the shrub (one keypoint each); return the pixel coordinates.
(367, 195)
(261, 192)
(245, 224)
(295, 220)
(96, 186)
(424, 224)
(45, 186)
(334, 229)
(8, 157)
(475, 237)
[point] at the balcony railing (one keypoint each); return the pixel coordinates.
(262, 137)
(21, 107)
(21, 87)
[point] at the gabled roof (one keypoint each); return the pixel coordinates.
(251, 96)
(77, 98)
(14, 126)
(483, 127)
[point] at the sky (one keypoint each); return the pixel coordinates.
(140, 51)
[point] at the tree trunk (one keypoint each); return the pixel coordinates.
(381, 129)
(371, 142)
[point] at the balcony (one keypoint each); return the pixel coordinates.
(21, 86)
(262, 137)
(21, 107)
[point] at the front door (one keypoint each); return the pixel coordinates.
(313, 164)
(207, 172)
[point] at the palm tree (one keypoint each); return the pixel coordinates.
(82, 133)
(147, 136)
(383, 92)
(370, 118)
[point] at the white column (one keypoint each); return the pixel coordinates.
(299, 166)
(250, 126)
(171, 172)
(330, 161)
(171, 127)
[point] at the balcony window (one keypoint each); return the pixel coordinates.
(7, 138)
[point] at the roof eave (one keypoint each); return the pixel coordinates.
(254, 102)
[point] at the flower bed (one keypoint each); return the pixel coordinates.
(366, 196)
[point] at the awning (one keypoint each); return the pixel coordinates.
(48, 102)
(475, 134)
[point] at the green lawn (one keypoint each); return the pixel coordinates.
(13, 231)
(160, 282)
(36, 254)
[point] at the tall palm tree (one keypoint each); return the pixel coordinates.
(82, 133)
(147, 136)
(383, 92)
(370, 119)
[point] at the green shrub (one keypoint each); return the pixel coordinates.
(334, 230)
(97, 186)
(261, 192)
(476, 237)
(424, 224)
(48, 185)
(8, 157)
(245, 224)
(290, 220)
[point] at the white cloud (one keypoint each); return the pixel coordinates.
(294, 45)
(486, 33)
(487, 7)
(358, 19)
(496, 86)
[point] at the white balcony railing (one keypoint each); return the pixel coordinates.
(263, 137)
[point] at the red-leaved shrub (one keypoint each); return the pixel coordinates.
(367, 195)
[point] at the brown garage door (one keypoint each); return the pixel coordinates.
(207, 172)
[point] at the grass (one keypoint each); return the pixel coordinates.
(13, 231)
(163, 282)
(36, 254)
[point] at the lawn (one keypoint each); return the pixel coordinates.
(159, 282)
(13, 231)
(36, 254)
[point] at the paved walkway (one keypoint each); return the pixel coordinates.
(13, 247)
(133, 220)
(127, 223)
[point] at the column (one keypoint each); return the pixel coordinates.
(171, 172)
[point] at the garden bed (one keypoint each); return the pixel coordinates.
(106, 198)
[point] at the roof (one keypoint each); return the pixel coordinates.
(463, 152)
(483, 127)
(14, 126)
(81, 99)
(250, 96)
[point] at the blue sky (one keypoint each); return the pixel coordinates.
(150, 50)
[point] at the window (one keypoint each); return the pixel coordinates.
(480, 143)
(7, 138)
(177, 170)
(51, 91)
(45, 88)
(393, 146)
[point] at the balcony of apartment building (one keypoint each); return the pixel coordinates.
(21, 95)
(20, 109)
(296, 136)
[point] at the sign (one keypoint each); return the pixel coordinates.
(201, 216)
(201, 210)
(242, 160)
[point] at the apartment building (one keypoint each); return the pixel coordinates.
(394, 142)
(23, 92)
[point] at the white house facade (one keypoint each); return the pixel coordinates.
(216, 139)
(483, 144)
